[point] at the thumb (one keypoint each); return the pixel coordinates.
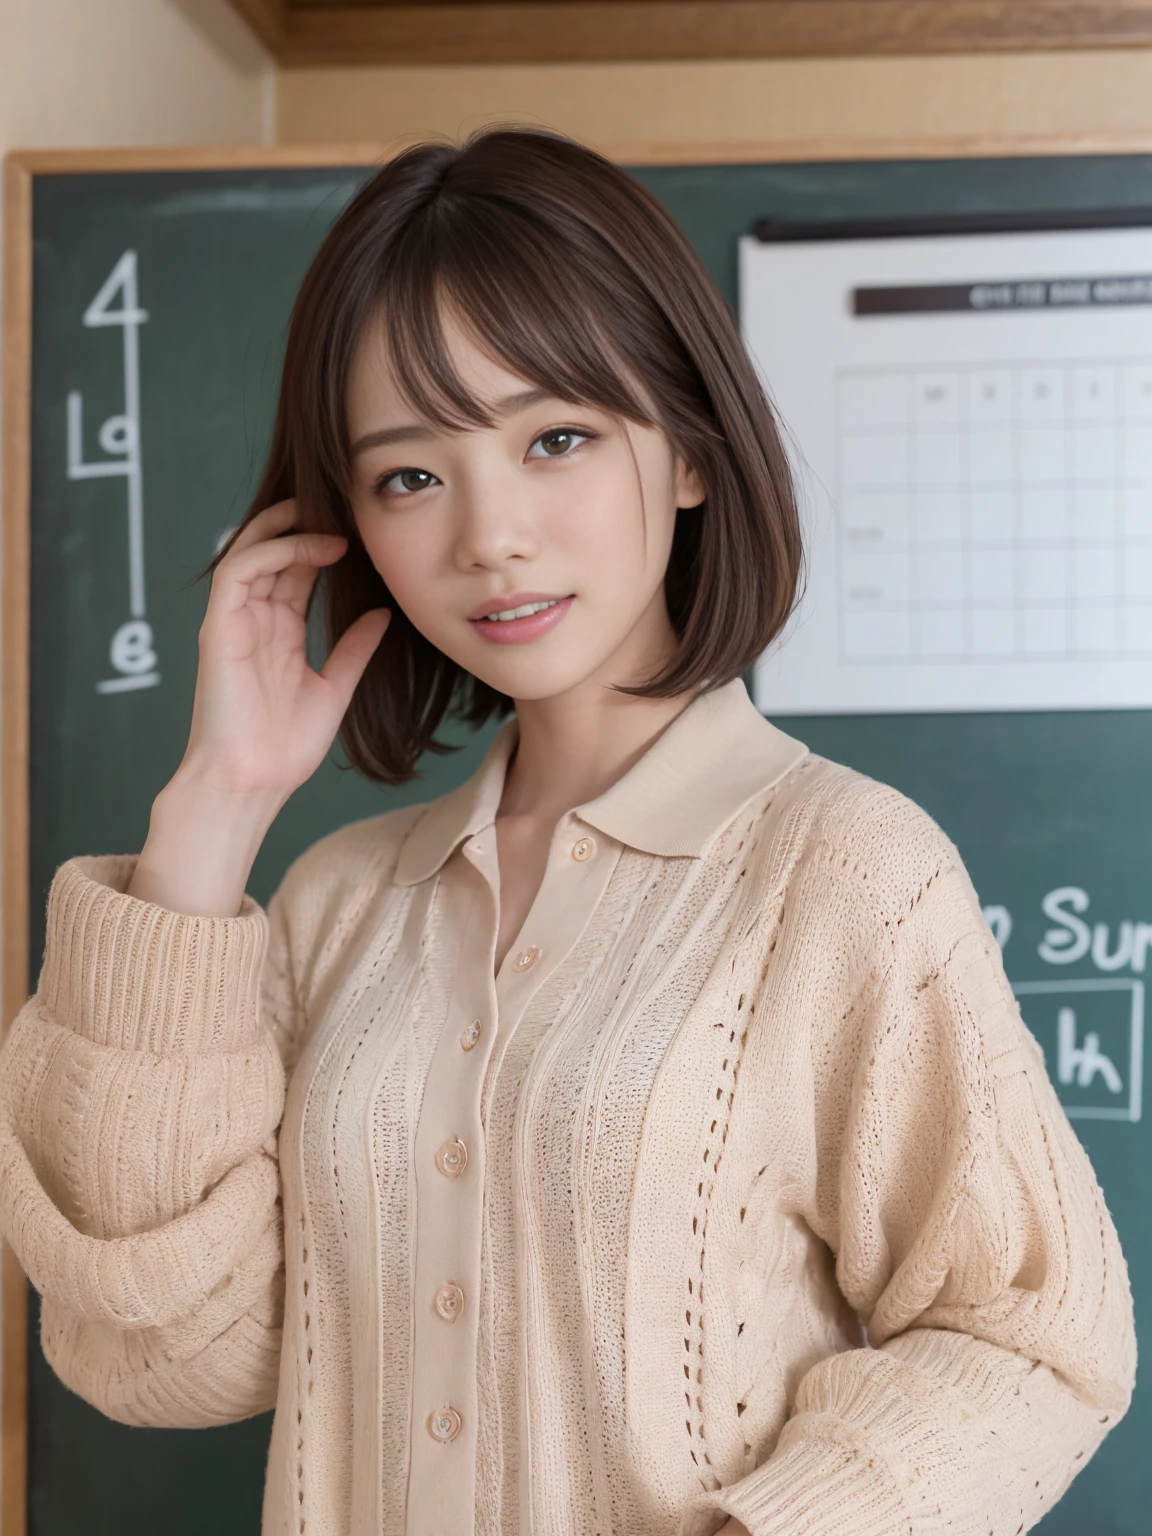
(354, 650)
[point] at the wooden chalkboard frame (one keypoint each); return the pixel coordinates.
(21, 168)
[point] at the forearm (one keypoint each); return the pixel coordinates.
(134, 1097)
(882, 1439)
(140, 1094)
(201, 845)
(218, 1366)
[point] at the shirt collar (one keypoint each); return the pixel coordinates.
(716, 755)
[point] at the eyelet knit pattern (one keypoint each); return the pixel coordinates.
(781, 1218)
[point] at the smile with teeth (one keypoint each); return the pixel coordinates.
(518, 613)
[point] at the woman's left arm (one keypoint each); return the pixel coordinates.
(972, 1238)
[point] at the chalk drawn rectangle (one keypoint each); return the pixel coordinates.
(1132, 1111)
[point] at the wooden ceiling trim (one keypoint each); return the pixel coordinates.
(605, 31)
(266, 18)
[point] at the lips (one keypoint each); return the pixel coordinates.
(530, 627)
(514, 600)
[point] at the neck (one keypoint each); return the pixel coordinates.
(575, 746)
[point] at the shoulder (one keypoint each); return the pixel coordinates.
(868, 838)
(331, 897)
(363, 849)
(344, 867)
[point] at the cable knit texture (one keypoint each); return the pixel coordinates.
(777, 1215)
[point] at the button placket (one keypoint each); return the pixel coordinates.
(449, 1155)
(484, 1012)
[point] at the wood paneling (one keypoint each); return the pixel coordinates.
(334, 32)
(14, 602)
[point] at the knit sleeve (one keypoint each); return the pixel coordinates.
(973, 1241)
(141, 1089)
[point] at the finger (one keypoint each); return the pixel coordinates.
(236, 576)
(269, 521)
(353, 651)
(293, 587)
(252, 576)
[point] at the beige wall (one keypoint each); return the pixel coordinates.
(685, 111)
(111, 72)
(94, 73)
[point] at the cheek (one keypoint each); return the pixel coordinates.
(624, 527)
(600, 521)
(402, 557)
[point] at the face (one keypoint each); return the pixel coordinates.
(557, 504)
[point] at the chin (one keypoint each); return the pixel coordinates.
(534, 674)
(526, 684)
(527, 672)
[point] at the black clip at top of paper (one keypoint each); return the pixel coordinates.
(778, 231)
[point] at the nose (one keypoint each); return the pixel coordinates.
(495, 522)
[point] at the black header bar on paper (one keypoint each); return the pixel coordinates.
(774, 231)
(986, 298)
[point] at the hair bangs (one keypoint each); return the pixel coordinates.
(491, 272)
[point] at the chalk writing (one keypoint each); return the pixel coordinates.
(131, 650)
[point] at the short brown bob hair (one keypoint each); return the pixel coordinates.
(573, 275)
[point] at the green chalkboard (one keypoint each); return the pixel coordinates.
(209, 262)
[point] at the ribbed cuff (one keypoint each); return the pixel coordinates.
(130, 974)
(814, 1486)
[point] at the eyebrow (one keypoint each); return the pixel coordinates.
(523, 400)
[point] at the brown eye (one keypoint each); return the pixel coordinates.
(558, 441)
(403, 482)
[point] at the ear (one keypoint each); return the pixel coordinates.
(690, 490)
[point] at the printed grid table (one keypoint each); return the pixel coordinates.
(995, 513)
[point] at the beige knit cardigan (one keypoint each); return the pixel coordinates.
(769, 1207)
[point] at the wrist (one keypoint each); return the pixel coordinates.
(201, 845)
(193, 793)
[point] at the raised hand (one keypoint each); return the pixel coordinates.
(263, 718)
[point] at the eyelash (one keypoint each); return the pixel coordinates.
(380, 488)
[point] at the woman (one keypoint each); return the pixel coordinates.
(662, 1151)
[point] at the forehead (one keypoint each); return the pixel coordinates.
(430, 356)
(374, 387)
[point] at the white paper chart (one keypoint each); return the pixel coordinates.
(970, 417)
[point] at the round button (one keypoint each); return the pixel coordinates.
(470, 1035)
(444, 1423)
(526, 958)
(452, 1157)
(448, 1301)
(584, 849)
